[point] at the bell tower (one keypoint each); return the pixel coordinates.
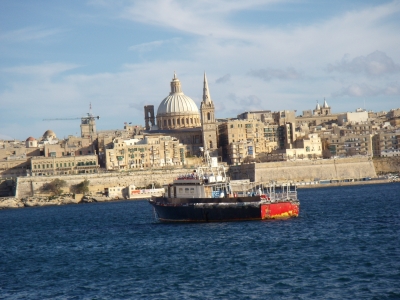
(208, 123)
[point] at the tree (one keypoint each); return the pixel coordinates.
(326, 153)
(81, 188)
(54, 186)
(156, 185)
(351, 152)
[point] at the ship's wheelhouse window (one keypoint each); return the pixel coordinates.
(180, 190)
(192, 190)
(186, 190)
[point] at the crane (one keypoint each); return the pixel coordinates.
(87, 123)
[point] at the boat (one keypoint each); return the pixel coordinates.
(206, 195)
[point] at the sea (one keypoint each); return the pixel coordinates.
(345, 244)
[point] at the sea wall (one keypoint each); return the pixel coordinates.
(306, 170)
(31, 186)
(384, 165)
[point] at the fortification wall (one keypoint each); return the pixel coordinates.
(306, 170)
(345, 168)
(30, 186)
(384, 165)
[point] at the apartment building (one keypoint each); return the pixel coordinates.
(152, 151)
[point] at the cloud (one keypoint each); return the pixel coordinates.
(146, 47)
(224, 79)
(43, 70)
(269, 74)
(28, 34)
(368, 90)
(247, 101)
(375, 64)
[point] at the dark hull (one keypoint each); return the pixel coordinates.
(217, 210)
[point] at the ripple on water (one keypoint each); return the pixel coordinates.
(345, 244)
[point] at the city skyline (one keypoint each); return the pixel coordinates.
(57, 58)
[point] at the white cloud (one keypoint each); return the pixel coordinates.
(42, 70)
(145, 47)
(28, 34)
(368, 90)
(269, 74)
(374, 64)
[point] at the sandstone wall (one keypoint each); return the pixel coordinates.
(30, 186)
(385, 165)
(345, 168)
(306, 170)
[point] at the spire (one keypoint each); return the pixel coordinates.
(206, 93)
(317, 107)
(325, 104)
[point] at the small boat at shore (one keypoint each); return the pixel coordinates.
(206, 195)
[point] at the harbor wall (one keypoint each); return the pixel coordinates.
(299, 171)
(31, 186)
(384, 165)
(306, 170)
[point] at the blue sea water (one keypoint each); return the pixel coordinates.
(344, 245)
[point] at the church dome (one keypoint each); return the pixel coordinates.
(31, 142)
(49, 134)
(177, 110)
(177, 103)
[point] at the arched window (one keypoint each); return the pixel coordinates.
(183, 121)
(178, 121)
(173, 122)
(191, 120)
(187, 121)
(165, 122)
(169, 122)
(208, 116)
(211, 145)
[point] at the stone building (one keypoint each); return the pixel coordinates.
(178, 116)
(150, 152)
(65, 165)
(72, 146)
(320, 115)
(386, 143)
(240, 138)
(359, 116)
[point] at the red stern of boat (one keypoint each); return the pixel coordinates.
(279, 210)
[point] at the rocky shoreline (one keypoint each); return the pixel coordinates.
(12, 202)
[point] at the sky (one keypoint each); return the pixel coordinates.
(59, 57)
